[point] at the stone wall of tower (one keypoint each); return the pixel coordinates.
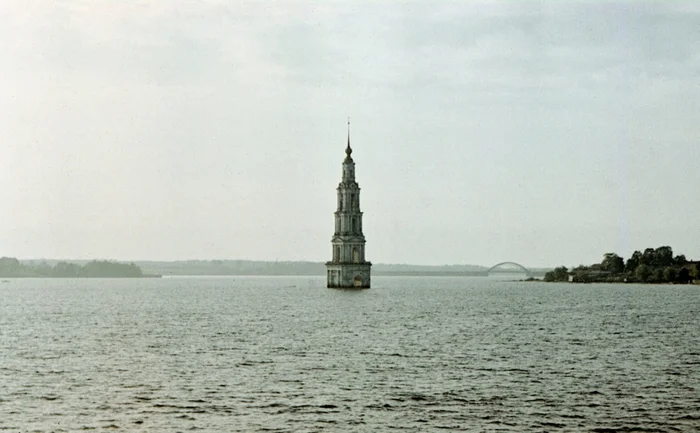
(349, 276)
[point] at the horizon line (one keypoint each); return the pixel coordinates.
(255, 260)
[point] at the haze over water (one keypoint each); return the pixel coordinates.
(287, 354)
(545, 133)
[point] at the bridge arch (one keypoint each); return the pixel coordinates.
(517, 265)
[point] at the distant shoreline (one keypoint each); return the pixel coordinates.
(52, 268)
(11, 267)
(44, 277)
(382, 274)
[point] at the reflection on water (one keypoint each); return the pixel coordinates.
(287, 354)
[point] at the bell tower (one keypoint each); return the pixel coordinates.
(348, 267)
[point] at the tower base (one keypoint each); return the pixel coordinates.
(348, 275)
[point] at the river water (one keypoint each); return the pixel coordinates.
(287, 354)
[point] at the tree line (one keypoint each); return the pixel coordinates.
(653, 265)
(11, 267)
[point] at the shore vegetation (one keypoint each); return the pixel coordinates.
(11, 267)
(653, 265)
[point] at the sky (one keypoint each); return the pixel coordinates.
(545, 133)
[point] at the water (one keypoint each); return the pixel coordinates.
(287, 354)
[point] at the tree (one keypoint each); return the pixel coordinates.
(680, 260)
(11, 267)
(561, 273)
(9, 262)
(648, 257)
(642, 273)
(658, 275)
(663, 256)
(684, 276)
(613, 263)
(634, 261)
(558, 274)
(104, 268)
(64, 269)
(670, 275)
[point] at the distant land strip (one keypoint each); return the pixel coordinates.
(250, 267)
(301, 268)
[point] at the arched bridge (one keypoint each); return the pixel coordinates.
(517, 265)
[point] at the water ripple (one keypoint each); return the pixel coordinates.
(281, 354)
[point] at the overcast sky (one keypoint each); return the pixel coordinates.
(535, 132)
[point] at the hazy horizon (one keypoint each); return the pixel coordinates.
(541, 133)
(69, 259)
(131, 260)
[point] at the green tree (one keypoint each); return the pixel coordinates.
(634, 261)
(670, 275)
(9, 262)
(64, 269)
(581, 274)
(108, 269)
(684, 276)
(558, 274)
(663, 256)
(648, 257)
(642, 273)
(658, 276)
(11, 267)
(680, 260)
(562, 273)
(613, 263)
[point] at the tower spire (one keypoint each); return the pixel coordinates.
(348, 150)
